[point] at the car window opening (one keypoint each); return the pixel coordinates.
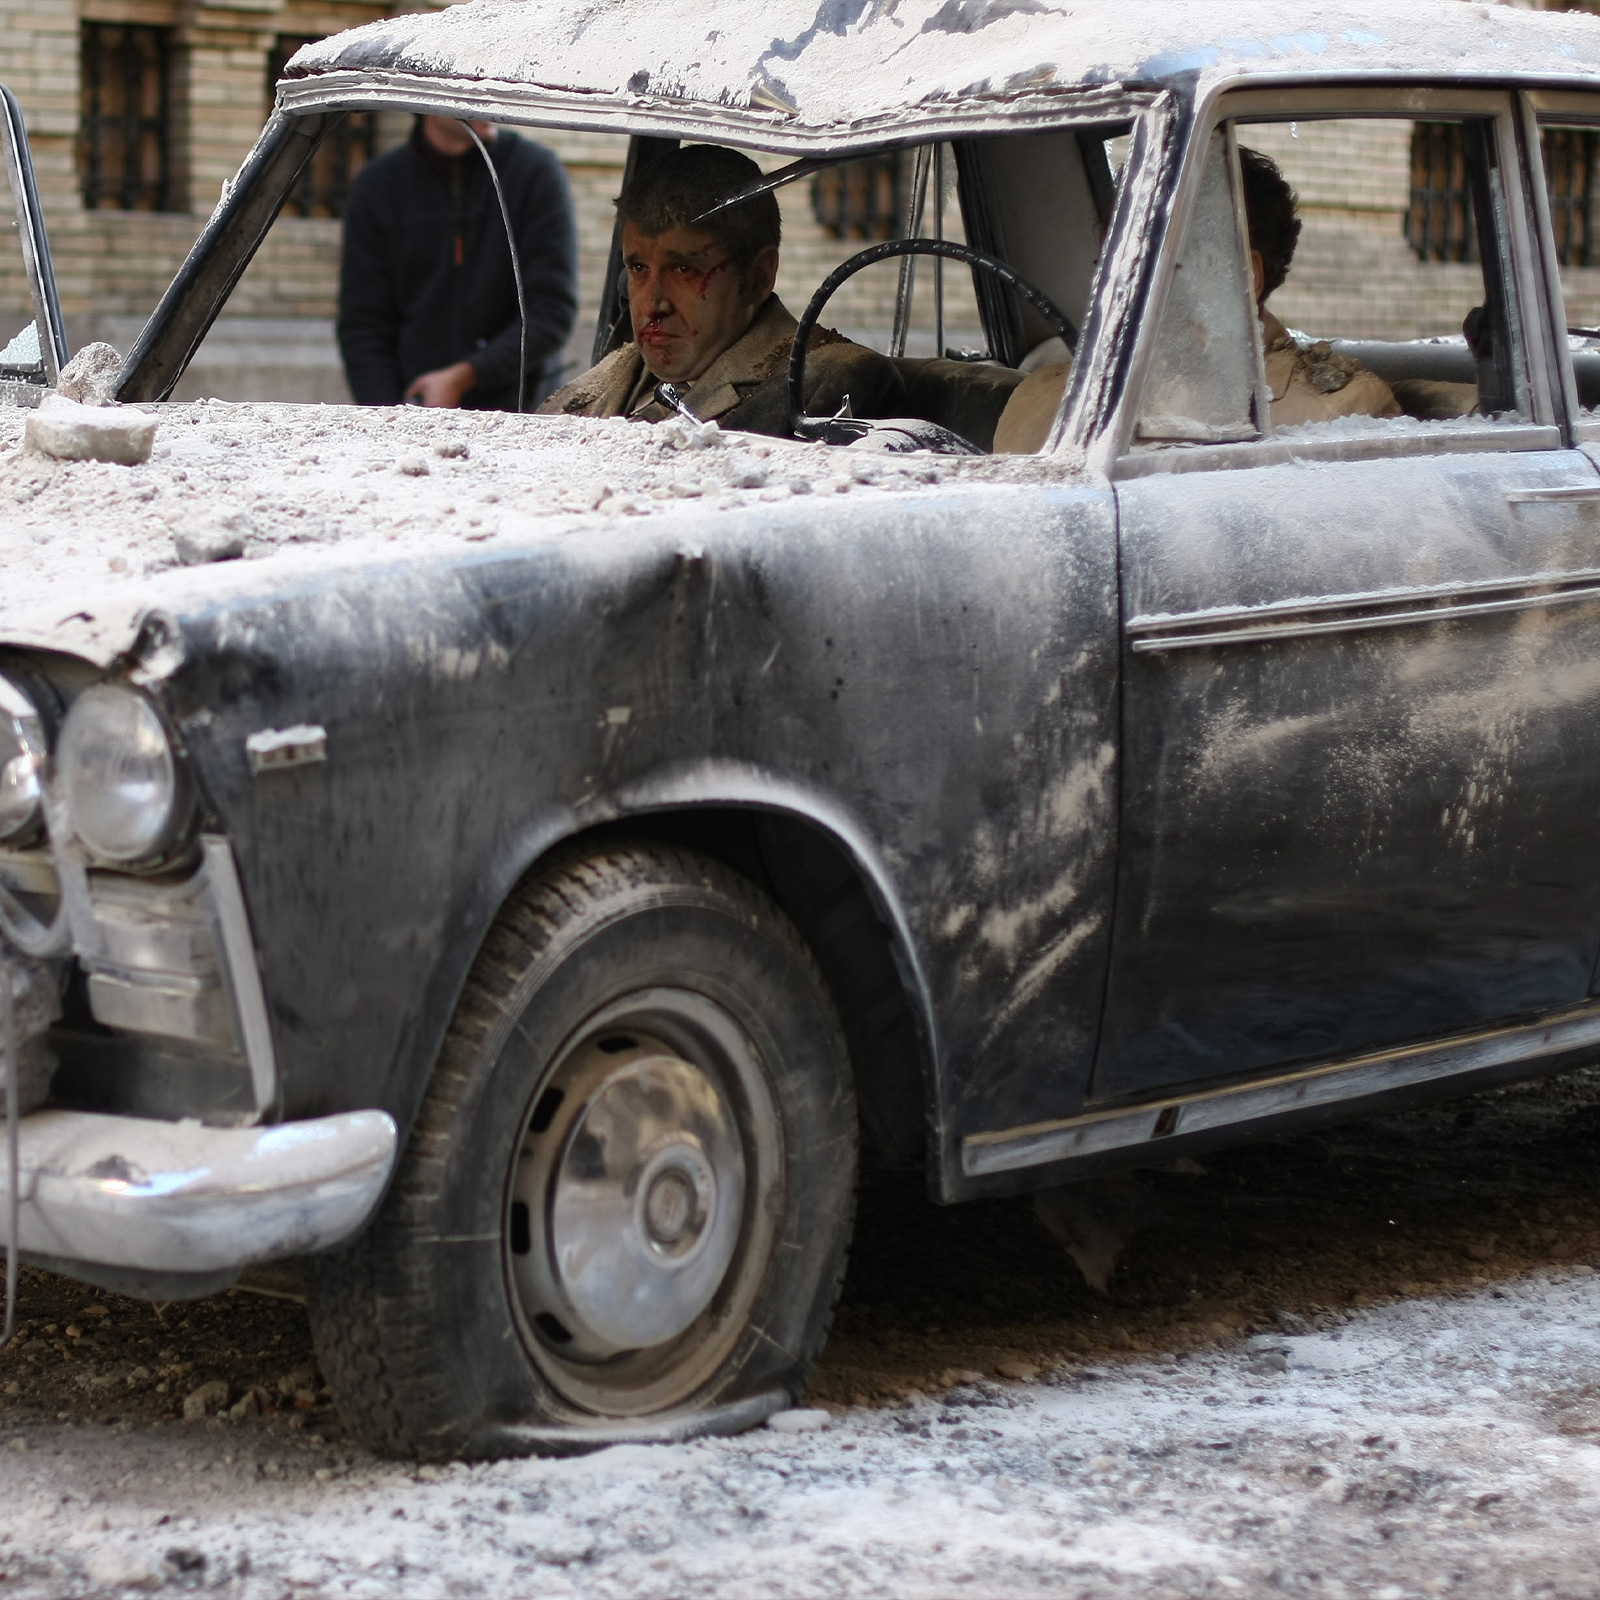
(957, 352)
(1372, 269)
(1571, 157)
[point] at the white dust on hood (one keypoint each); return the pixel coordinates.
(305, 486)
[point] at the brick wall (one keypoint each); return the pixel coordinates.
(112, 266)
(1356, 274)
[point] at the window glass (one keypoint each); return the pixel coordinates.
(1201, 387)
(1572, 179)
(1378, 275)
(21, 355)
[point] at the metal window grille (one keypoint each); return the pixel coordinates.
(124, 130)
(325, 184)
(862, 199)
(1439, 224)
(1569, 164)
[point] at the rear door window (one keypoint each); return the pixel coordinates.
(1351, 277)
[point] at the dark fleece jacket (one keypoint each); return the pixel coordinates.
(426, 279)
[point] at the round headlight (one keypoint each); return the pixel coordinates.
(122, 784)
(22, 753)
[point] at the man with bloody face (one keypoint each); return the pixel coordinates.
(704, 315)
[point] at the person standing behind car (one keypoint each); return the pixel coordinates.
(427, 298)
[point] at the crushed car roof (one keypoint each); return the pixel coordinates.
(789, 73)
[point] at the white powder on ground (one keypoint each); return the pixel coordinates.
(1441, 1444)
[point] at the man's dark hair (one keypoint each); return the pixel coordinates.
(1269, 207)
(674, 189)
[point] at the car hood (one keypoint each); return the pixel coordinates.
(287, 495)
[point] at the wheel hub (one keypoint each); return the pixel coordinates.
(636, 1217)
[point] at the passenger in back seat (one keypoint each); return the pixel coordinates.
(1308, 383)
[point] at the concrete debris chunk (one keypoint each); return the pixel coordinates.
(1017, 1371)
(205, 1401)
(1267, 1362)
(121, 1566)
(291, 1383)
(91, 376)
(67, 431)
(801, 1420)
(220, 540)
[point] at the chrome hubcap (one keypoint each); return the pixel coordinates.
(631, 1194)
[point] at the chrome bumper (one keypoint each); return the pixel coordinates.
(182, 1198)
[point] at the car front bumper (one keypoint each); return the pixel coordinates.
(179, 1197)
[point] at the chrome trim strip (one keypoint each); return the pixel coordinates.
(179, 1197)
(244, 975)
(1579, 492)
(1493, 438)
(1298, 619)
(1011, 1149)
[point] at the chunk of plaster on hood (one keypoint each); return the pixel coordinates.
(67, 431)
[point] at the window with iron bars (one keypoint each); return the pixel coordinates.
(863, 199)
(324, 186)
(124, 127)
(1569, 174)
(1440, 225)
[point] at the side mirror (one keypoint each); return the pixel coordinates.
(35, 355)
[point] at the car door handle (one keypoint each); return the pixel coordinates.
(1581, 493)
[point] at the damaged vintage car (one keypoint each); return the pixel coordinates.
(523, 919)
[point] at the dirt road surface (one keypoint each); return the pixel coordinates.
(1362, 1362)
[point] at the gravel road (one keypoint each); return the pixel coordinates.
(1362, 1362)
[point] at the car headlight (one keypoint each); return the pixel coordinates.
(124, 790)
(22, 753)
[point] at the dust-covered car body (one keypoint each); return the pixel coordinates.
(1178, 782)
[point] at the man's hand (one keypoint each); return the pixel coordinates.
(444, 387)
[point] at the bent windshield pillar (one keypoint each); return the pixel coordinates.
(221, 253)
(49, 335)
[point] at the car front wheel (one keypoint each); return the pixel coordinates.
(624, 1207)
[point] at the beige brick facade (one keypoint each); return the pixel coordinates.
(112, 266)
(1357, 274)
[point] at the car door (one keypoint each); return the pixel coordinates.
(1361, 658)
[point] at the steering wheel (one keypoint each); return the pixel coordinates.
(841, 430)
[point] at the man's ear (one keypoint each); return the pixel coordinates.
(1258, 270)
(761, 275)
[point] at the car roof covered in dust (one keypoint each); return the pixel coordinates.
(790, 75)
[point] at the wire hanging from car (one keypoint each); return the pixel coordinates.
(516, 265)
(8, 1040)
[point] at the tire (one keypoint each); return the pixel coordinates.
(624, 1207)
